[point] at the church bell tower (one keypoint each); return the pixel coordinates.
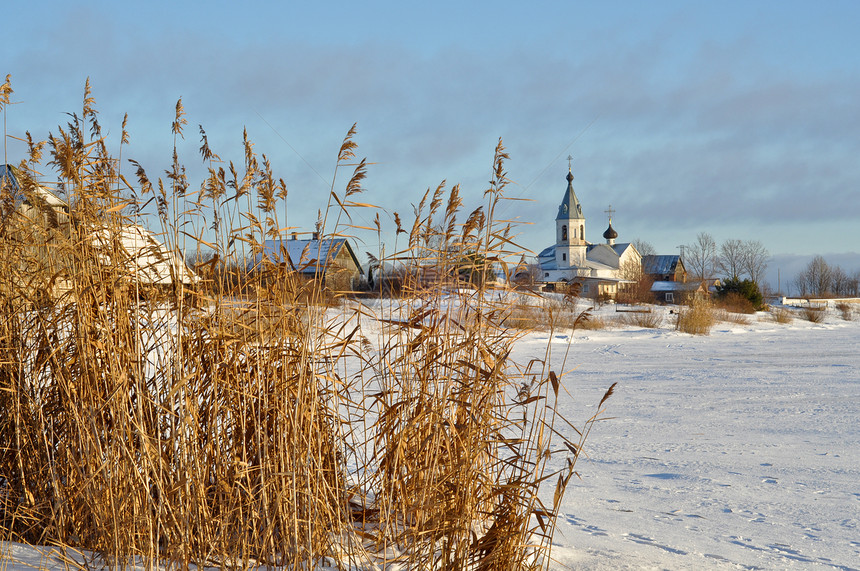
(570, 244)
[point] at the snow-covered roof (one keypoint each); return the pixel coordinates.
(621, 247)
(10, 181)
(652, 264)
(664, 286)
(151, 262)
(306, 256)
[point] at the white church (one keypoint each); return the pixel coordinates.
(601, 269)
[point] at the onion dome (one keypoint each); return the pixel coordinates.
(610, 233)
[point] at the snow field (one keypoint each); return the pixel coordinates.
(736, 450)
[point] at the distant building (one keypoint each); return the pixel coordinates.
(664, 268)
(44, 226)
(602, 270)
(331, 260)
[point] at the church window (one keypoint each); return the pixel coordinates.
(564, 233)
(581, 231)
(564, 257)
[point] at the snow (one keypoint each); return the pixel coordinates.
(737, 450)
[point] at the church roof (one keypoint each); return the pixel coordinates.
(621, 247)
(569, 207)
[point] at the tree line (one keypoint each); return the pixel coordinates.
(733, 259)
(820, 279)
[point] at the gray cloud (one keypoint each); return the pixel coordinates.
(706, 138)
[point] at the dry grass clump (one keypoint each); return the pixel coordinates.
(534, 312)
(781, 315)
(727, 316)
(814, 314)
(590, 322)
(526, 318)
(846, 310)
(697, 318)
(649, 319)
(734, 302)
(238, 421)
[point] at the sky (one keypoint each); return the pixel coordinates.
(739, 119)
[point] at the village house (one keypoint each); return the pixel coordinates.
(670, 281)
(43, 223)
(331, 260)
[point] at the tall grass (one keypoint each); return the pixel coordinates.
(846, 310)
(697, 318)
(240, 421)
(814, 314)
(646, 319)
(781, 315)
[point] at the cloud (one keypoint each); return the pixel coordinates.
(706, 134)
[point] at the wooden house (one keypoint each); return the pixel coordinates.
(664, 268)
(331, 260)
(40, 232)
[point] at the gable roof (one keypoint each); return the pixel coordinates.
(10, 181)
(652, 264)
(306, 256)
(149, 261)
(622, 247)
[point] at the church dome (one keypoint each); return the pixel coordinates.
(610, 233)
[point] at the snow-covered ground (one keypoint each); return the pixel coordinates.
(738, 450)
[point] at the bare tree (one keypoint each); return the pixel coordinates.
(854, 284)
(730, 258)
(637, 284)
(754, 257)
(815, 279)
(644, 248)
(840, 282)
(526, 275)
(700, 257)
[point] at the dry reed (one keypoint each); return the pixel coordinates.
(814, 314)
(727, 316)
(646, 319)
(235, 420)
(781, 315)
(846, 310)
(697, 318)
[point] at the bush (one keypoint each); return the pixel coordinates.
(814, 314)
(736, 303)
(227, 432)
(649, 319)
(697, 318)
(781, 315)
(735, 317)
(847, 311)
(734, 288)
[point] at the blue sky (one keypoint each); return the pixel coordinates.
(740, 119)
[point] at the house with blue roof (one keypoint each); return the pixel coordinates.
(330, 260)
